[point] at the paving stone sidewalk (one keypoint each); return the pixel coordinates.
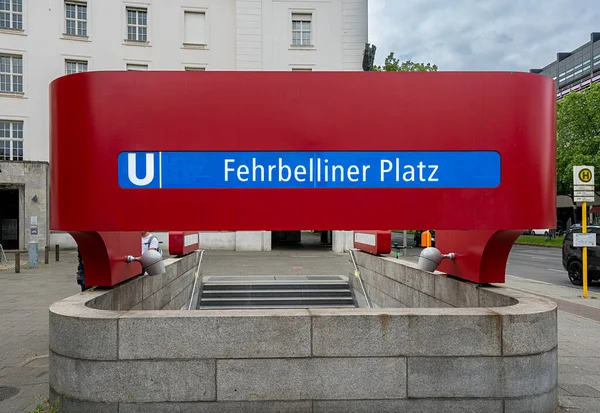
(24, 302)
(25, 298)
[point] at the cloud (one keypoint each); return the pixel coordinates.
(515, 35)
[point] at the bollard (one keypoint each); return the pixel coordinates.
(57, 251)
(17, 262)
(33, 254)
(46, 254)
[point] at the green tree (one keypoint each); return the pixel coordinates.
(393, 64)
(577, 135)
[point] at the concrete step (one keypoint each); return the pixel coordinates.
(272, 307)
(260, 301)
(276, 292)
(271, 286)
(277, 302)
(338, 292)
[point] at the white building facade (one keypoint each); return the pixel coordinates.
(41, 40)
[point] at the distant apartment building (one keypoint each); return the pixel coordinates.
(41, 40)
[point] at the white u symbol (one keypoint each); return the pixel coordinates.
(131, 170)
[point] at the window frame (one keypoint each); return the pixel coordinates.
(137, 8)
(138, 64)
(11, 14)
(206, 11)
(77, 4)
(11, 139)
(12, 75)
(291, 31)
(77, 63)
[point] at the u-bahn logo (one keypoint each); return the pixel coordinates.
(139, 170)
(585, 175)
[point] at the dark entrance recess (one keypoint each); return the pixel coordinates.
(9, 219)
(301, 239)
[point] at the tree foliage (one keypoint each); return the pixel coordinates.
(578, 135)
(393, 64)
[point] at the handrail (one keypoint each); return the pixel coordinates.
(196, 274)
(3, 256)
(357, 274)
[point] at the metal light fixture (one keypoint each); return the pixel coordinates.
(152, 262)
(431, 258)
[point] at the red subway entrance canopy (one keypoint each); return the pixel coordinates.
(180, 151)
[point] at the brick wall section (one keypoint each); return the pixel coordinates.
(495, 359)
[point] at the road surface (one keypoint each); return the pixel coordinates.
(535, 263)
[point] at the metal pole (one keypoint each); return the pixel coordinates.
(405, 244)
(17, 262)
(57, 251)
(46, 254)
(584, 230)
(357, 274)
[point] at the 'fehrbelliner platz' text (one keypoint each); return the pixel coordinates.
(321, 170)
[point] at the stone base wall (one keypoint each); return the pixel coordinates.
(497, 358)
(393, 283)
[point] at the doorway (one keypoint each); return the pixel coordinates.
(301, 239)
(9, 219)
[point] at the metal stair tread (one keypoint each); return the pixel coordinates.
(271, 282)
(310, 290)
(274, 299)
(250, 307)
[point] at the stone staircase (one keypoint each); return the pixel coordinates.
(276, 291)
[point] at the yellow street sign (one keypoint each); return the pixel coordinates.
(585, 175)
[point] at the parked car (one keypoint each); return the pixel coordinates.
(544, 232)
(571, 256)
(417, 238)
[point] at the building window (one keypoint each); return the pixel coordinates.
(11, 14)
(137, 24)
(136, 67)
(301, 69)
(76, 66)
(195, 28)
(195, 69)
(11, 140)
(11, 74)
(76, 19)
(301, 29)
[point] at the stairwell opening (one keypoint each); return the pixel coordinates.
(301, 240)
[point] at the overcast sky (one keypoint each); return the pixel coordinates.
(481, 34)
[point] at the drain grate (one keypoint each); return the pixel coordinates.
(7, 392)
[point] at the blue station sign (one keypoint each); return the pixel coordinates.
(293, 170)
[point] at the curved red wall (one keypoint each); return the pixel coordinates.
(97, 115)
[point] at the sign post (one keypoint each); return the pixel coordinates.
(583, 185)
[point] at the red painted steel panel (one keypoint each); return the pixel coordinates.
(180, 245)
(374, 242)
(481, 256)
(97, 115)
(104, 256)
